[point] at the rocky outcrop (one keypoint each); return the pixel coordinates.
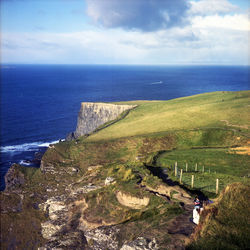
(103, 237)
(131, 201)
(178, 193)
(93, 115)
(14, 178)
(140, 243)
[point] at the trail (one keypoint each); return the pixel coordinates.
(181, 227)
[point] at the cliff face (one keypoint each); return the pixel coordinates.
(93, 115)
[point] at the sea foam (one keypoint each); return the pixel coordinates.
(33, 146)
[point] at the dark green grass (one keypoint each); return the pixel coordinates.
(218, 163)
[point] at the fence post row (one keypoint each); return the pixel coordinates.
(192, 179)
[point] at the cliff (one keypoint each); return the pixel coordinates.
(117, 188)
(93, 115)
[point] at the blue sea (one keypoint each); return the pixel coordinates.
(40, 103)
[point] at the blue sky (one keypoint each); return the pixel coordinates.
(125, 32)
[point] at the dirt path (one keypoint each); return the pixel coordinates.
(180, 228)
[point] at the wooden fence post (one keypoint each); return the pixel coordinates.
(217, 186)
(192, 182)
(196, 167)
(181, 177)
(186, 167)
(203, 169)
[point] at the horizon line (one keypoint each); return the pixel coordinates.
(120, 64)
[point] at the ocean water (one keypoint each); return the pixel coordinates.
(39, 103)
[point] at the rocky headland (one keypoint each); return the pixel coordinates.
(106, 194)
(92, 115)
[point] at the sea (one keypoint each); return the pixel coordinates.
(40, 103)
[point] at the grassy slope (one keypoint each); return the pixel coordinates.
(165, 125)
(218, 163)
(200, 111)
(225, 225)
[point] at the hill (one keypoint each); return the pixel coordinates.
(117, 187)
(212, 110)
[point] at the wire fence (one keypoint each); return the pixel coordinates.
(197, 177)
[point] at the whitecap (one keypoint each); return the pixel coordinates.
(20, 148)
(159, 82)
(24, 163)
(33, 146)
(46, 144)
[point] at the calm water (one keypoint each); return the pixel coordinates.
(39, 103)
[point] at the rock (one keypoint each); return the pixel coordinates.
(71, 170)
(49, 229)
(109, 180)
(131, 201)
(47, 168)
(102, 238)
(56, 208)
(93, 115)
(70, 136)
(37, 158)
(140, 244)
(92, 168)
(14, 178)
(83, 190)
(67, 240)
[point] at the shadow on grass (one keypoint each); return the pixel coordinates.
(160, 173)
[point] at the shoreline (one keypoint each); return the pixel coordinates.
(26, 155)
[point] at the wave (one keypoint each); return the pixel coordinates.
(33, 146)
(159, 82)
(25, 163)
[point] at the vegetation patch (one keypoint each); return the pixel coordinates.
(225, 224)
(206, 165)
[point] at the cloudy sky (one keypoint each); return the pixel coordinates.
(125, 32)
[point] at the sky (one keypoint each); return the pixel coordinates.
(150, 32)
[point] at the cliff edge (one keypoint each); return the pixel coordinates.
(92, 115)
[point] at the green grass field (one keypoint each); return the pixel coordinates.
(220, 110)
(217, 163)
(203, 127)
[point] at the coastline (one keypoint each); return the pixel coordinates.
(26, 155)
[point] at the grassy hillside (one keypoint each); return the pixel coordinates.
(219, 163)
(219, 109)
(138, 152)
(225, 225)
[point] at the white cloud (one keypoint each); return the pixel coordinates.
(230, 22)
(209, 7)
